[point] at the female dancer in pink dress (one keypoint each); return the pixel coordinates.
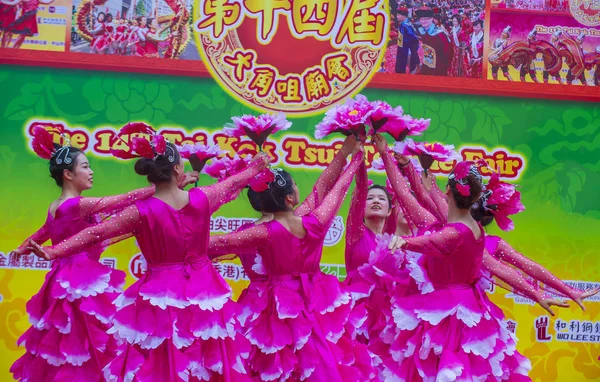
(458, 40)
(99, 41)
(71, 312)
(178, 320)
(299, 332)
(252, 260)
(8, 13)
(447, 333)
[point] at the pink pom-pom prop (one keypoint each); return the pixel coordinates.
(426, 152)
(258, 128)
(349, 118)
(43, 143)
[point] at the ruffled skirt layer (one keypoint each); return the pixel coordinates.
(179, 324)
(70, 316)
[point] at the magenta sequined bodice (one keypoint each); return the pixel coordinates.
(167, 235)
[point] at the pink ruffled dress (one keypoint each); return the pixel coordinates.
(178, 321)
(450, 330)
(299, 332)
(71, 312)
(375, 276)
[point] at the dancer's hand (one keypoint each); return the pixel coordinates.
(263, 159)
(350, 145)
(380, 143)
(189, 178)
(428, 180)
(401, 159)
(580, 296)
(20, 251)
(396, 243)
(548, 302)
(39, 251)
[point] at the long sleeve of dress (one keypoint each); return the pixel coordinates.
(123, 223)
(355, 226)
(438, 243)
(421, 194)
(416, 214)
(507, 254)
(332, 202)
(219, 193)
(326, 180)
(107, 204)
(40, 236)
(248, 240)
(440, 201)
(510, 277)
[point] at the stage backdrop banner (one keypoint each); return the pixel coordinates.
(550, 148)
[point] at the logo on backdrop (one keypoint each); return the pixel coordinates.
(541, 324)
(137, 266)
(293, 56)
(586, 12)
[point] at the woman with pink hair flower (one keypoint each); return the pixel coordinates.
(298, 332)
(442, 332)
(178, 321)
(73, 309)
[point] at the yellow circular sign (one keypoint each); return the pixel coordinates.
(297, 56)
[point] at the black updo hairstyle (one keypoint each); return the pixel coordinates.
(64, 158)
(254, 199)
(473, 180)
(483, 212)
(159, 169)
(273, 198)
(387, 194)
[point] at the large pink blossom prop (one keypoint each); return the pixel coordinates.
(386, 119)
(225, 167)
(258, 128)
(426, 152)
(349, 118)
(198, 154)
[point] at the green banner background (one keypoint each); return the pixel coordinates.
(560, 182)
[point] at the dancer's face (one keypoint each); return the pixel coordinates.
(378, 205)
(101, 17)
(82, 176)
(143, 22)
(401, 18)
(455, 21)
(477, 28)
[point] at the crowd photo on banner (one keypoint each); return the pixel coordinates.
(440, 37)
(146, 28)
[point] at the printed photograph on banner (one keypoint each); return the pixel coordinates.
(437, 38)
(34, 24)
(551, 41)
(299, 57)
(139, 28)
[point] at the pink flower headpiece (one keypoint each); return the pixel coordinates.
(348, 118)
(501, 199)
(257, 128)
(461, 172)
(142, 147)
(426, 152)
(43, 144)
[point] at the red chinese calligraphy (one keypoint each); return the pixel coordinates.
(288, 89)
(267, 14)
(363, 22)
(316, 85)
(263, 80)
(314, 17)
(335, 67)
(240, 61)
(221, 15)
